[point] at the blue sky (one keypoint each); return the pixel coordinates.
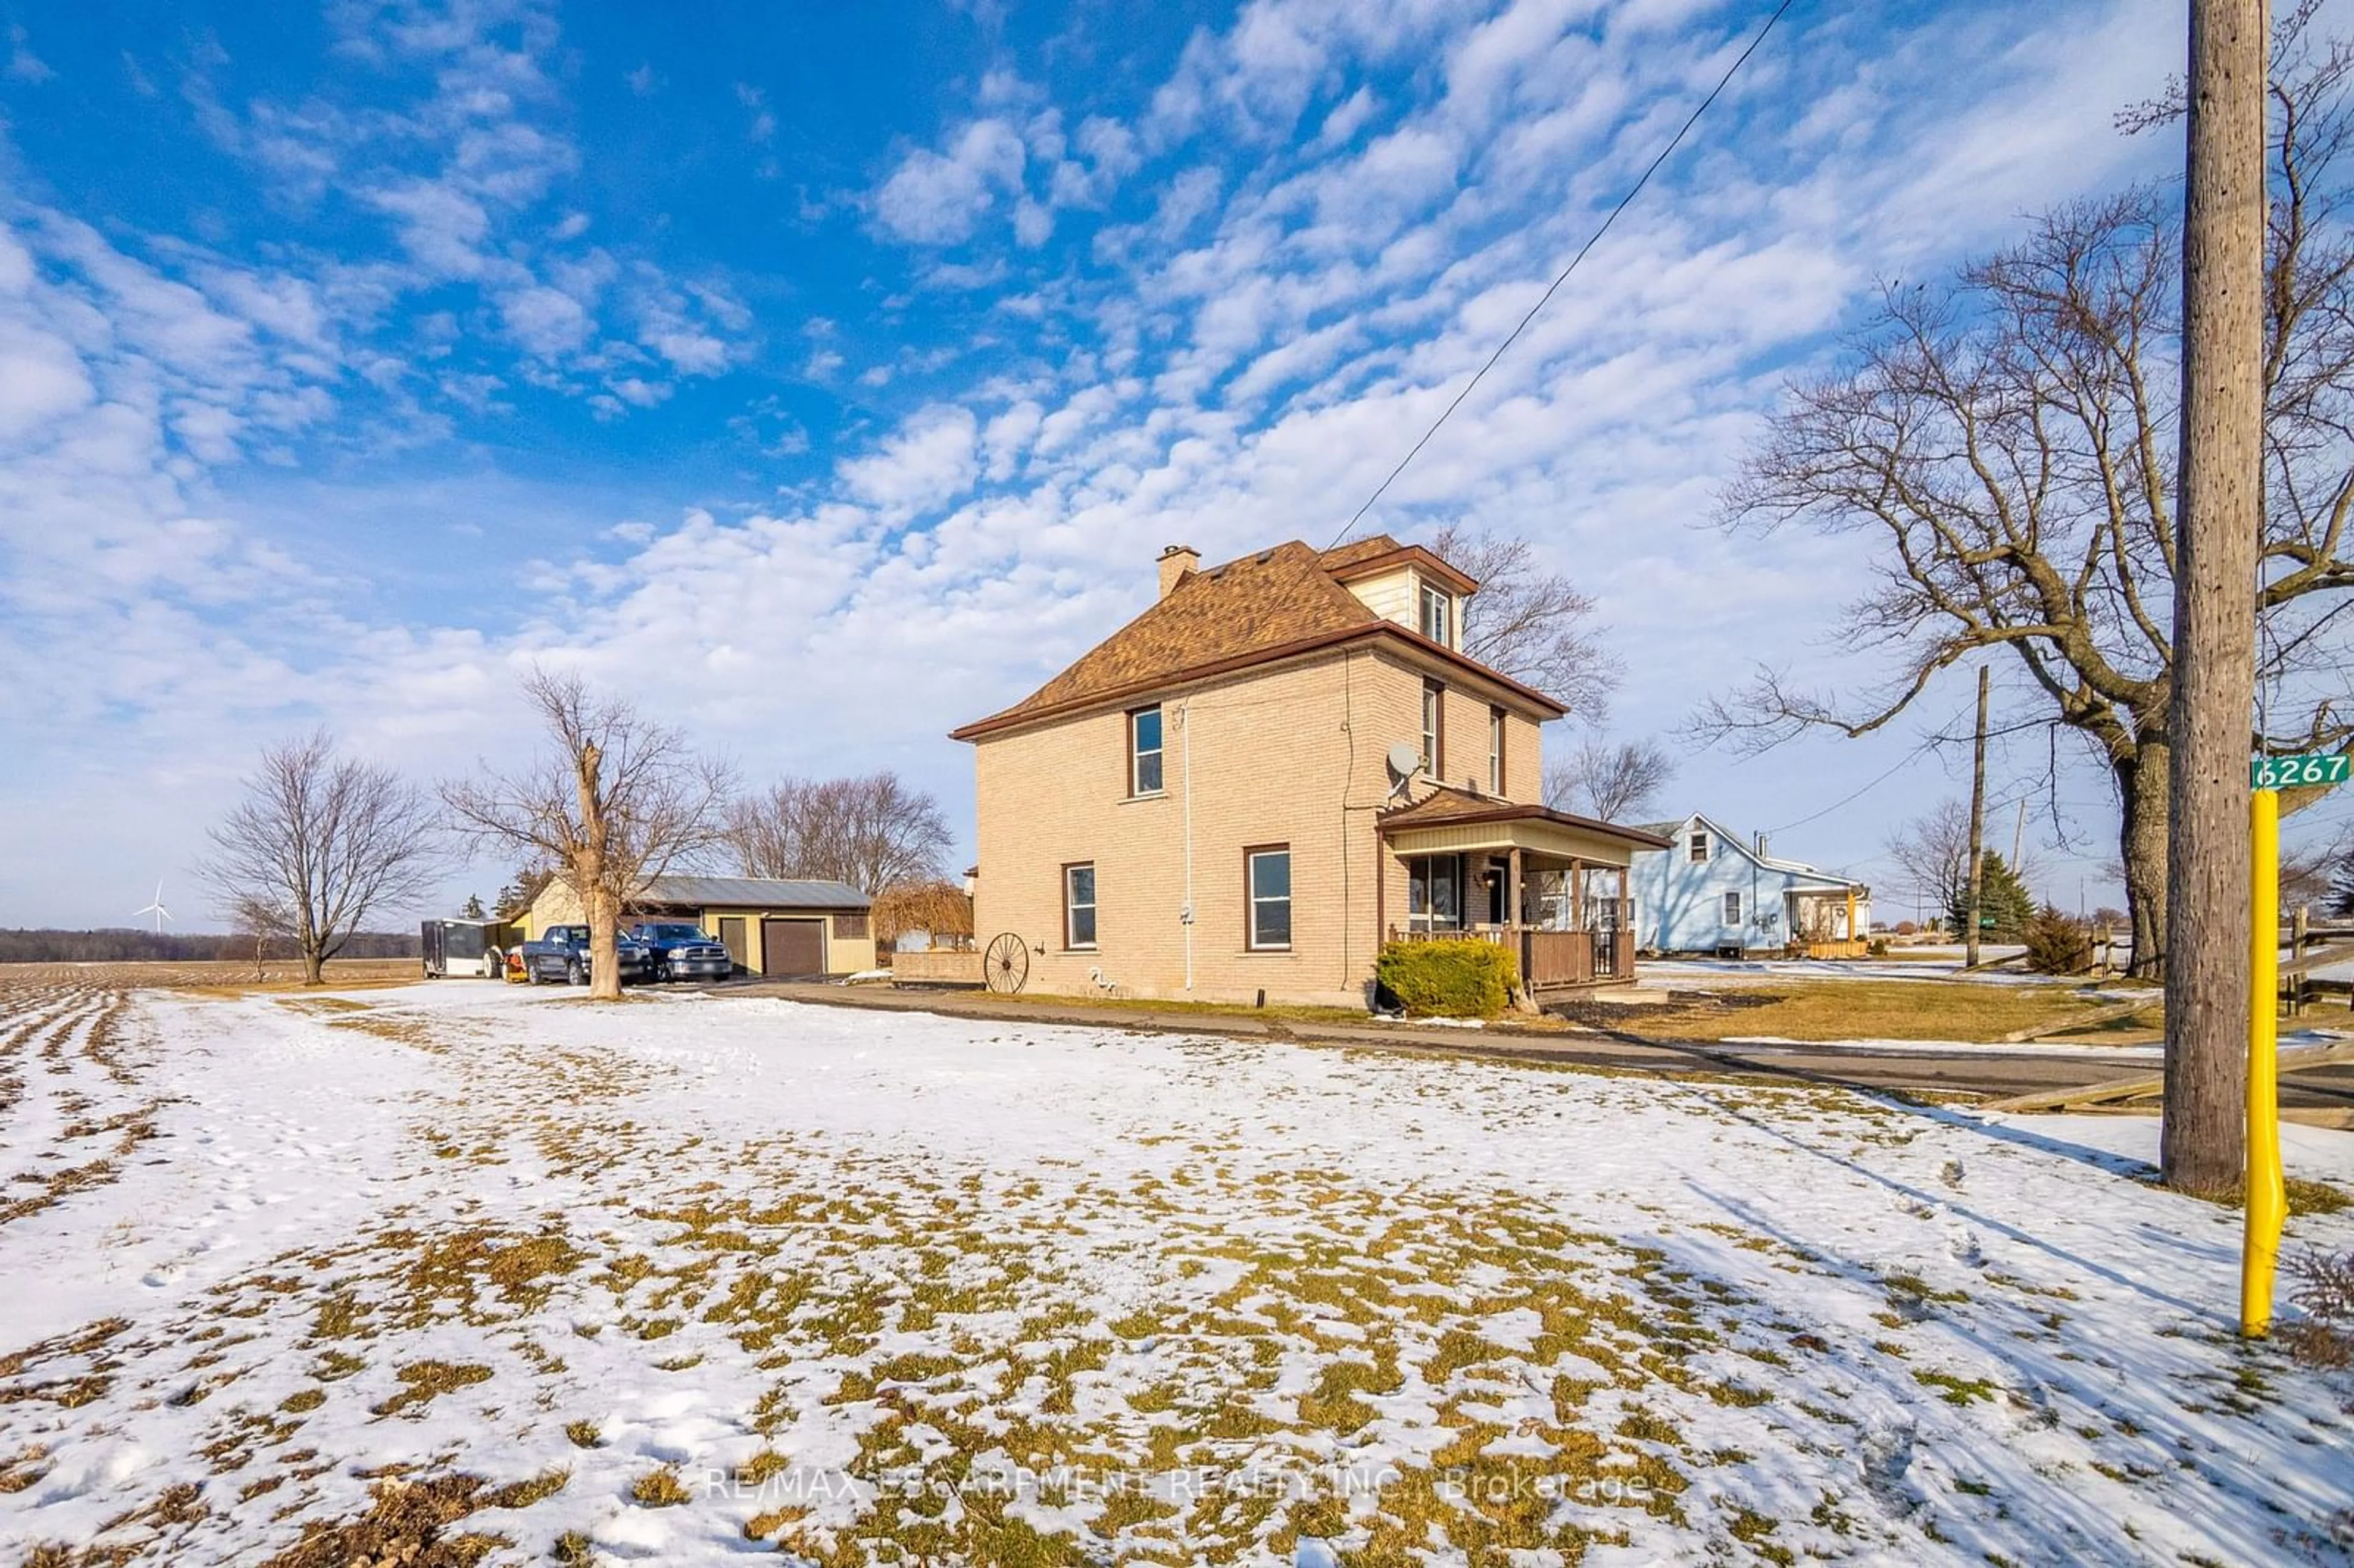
(829, 376)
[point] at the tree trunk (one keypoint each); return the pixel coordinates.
(315, 964)
(2218, 513)
(604, 954)
(2141, 850)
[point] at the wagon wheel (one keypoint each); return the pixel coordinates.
(1006, 965)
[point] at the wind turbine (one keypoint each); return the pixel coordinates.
(157, 910)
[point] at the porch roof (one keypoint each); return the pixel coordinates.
(1449, 819)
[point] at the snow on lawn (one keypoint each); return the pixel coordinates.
(463, 1269)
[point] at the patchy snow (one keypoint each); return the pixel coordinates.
(699, 1275)
(2319, 1154)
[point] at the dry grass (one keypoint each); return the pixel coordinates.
(660, 1489)
(408, 1523)
(1872, 1010)
(424, 1381)
(224, 977)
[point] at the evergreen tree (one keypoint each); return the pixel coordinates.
(2003, 901)
(473, 909)
(2341, 887)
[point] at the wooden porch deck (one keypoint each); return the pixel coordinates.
(1552, 960)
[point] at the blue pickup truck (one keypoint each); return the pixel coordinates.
(559, 956)
(684, 950)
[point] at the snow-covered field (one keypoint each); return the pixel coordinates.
(421, 1274)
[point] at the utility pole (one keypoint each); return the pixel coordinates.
(1978, 828)
(2217, 510)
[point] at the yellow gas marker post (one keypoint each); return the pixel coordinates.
(2266, 1187)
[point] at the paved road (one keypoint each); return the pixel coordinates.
(1991, 1074)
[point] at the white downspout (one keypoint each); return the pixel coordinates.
(1185, 915)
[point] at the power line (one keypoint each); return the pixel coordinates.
(1624, 202)
(1932, 740)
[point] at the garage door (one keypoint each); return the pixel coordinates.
(792, 947)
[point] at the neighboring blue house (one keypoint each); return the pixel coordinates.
(1711, 892)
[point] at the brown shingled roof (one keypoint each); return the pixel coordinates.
(1366, 549)
(1270, 605)
(1446, 804)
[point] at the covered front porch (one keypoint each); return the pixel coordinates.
(1550, 885)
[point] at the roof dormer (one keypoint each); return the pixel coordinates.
(1406, 584)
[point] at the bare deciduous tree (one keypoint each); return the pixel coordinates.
(614, 801)
(1614, 781)
(1933, 851)
(1532, 625)
(1931, 854)
(318, 844)
(872, 832)
(251, 915)
(2009, 441)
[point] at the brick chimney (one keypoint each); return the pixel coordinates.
(1177, 563)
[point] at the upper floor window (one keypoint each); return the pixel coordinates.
(1270, 873)
(1434, 729)
(1438, 615)
(1495, 751)
(1698, 849)
(1144, 752)
(1079, 906)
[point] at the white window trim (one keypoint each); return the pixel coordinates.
(1496, 752)
(1445, 605)
(1700, 841)
(1732, 908)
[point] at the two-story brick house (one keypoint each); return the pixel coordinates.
(1203, 806)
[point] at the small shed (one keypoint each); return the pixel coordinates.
(771, 925)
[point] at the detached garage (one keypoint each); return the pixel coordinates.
(771, 925)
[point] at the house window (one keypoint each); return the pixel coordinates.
(1700, 849)
(1268, 872)
(851, 928)
(1144, 752)
(1079, 906)
(1438, 615)
(1434, 729)
(1733, 909)
(1433, 899)
(1495, 751)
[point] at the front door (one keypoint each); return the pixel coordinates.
(1492, 882)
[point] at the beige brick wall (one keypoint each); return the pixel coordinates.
(1465, 763)
(1292, 755)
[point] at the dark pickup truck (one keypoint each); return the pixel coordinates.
(559, 955)
(684, 951)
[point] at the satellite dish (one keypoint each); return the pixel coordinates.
(1404, 761)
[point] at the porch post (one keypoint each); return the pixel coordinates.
(1578, 896)
(1513, 889)
(1850, 911)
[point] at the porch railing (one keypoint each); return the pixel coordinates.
(1550, 959)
